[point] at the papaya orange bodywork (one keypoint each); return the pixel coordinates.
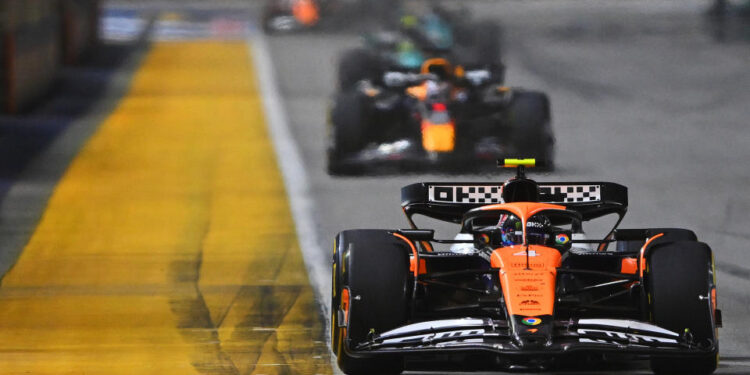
(412, 266)
(522, 209)
(630, 265)
(713, 301)
(642, 256)
(345, 308)
(528, 287)
(528, 291)
(345, 304)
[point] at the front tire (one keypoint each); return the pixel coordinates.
(668, 235)
(347, 132)
(680, 282)
(488, 42)
(373, 265)
(356, 65)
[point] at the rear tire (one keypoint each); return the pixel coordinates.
(355, 65)
(488, 42)
(530, 117)
(478, 44)
(679, 278)
(374, 266)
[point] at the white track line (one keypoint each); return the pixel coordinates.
(295, 176)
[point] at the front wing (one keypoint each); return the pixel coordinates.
(574, 336)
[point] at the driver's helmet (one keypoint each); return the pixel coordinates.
(538, 230)
(511, 230)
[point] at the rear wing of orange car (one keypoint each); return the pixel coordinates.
(450, 201)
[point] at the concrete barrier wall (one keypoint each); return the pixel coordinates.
(37, 37)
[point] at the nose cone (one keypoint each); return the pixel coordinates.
(532, 332)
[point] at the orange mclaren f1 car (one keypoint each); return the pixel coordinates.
(521, 286)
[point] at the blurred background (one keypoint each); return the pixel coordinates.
(168, 182)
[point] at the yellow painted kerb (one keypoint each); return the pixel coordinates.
(168, 246)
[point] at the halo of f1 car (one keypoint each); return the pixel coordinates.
(521, 287)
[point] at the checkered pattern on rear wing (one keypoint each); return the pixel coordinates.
(450, 201)
(468, 194)
(492, 193)
(570, 193)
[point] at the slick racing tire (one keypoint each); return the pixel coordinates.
(680, 284)
(347, 132)
(355, 65)
(479, 46)
(488, 42)
(372, 268)
(530, 117)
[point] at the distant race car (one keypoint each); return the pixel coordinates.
(520, 286)
(290, 15)
(443, 118)
(280, 16)
(436, 32)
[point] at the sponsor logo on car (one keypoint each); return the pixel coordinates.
(532, 253)
(562, 239)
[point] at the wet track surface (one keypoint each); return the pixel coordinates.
(642, 94)
(168, 245)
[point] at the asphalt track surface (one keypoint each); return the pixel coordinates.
(643, 94)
